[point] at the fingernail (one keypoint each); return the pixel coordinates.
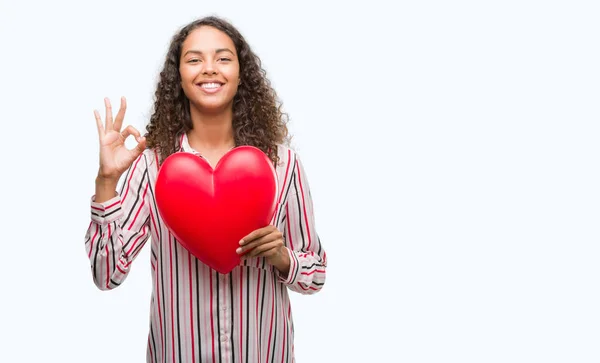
(242, 242)
(238, 250)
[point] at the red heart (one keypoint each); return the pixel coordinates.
(210, 211)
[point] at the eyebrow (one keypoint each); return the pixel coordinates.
(219, 50)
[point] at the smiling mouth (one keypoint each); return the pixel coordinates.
(209, 86)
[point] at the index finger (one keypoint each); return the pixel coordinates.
(261, 232)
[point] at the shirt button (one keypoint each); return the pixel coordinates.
(223, 338)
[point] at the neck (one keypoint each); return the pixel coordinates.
(211, 131)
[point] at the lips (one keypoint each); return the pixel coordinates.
(210, 87)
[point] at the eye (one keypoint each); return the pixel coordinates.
(193, 60)
(223, 59)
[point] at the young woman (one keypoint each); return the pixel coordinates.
(211, 97)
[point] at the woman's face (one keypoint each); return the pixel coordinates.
(209, 69)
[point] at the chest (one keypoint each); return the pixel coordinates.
(212, 156)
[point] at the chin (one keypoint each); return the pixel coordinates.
(212, 107)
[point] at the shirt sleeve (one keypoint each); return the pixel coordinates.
(308, 260)
(119, 228)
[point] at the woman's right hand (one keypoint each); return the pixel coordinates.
(115, 158)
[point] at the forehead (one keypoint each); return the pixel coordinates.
(207, 38)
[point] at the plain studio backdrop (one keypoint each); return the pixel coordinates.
(451, 147)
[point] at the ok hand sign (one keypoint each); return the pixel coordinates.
(115, 158)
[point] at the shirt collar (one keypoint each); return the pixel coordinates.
(184, 145)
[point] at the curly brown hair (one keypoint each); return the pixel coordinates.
(257, 117)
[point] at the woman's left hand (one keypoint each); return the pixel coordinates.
(266, 242)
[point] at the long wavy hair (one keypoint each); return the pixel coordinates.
(257, 117)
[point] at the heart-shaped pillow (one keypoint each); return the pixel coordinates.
(210, 210)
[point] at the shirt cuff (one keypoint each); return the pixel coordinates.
(106, 212)
(294, 268)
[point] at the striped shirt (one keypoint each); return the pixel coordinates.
(198, 314)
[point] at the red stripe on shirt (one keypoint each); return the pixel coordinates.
(191, 306)
(160, 318)
(112, 205)
(150, 347)
(272, 314)
(241, 311)
(304, 206)
(130, 177)
(212, 323)
(289, 234)
(257, 315)
(312, 272)
(140, 208)
(141, 236)
(107, 260)
(283, 343)
(287, 168)
(172, 302)
(153, 222)
(93, 239)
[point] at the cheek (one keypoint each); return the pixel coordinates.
(233, 74)
(184, 74)
(235, 85)
(187, 79)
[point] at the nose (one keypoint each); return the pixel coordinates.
(209, 68)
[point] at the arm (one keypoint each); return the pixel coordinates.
(308, 260)
(119, 226)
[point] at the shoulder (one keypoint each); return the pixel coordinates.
(148, 159)
(287, 156)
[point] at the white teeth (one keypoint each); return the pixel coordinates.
(210, 85)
